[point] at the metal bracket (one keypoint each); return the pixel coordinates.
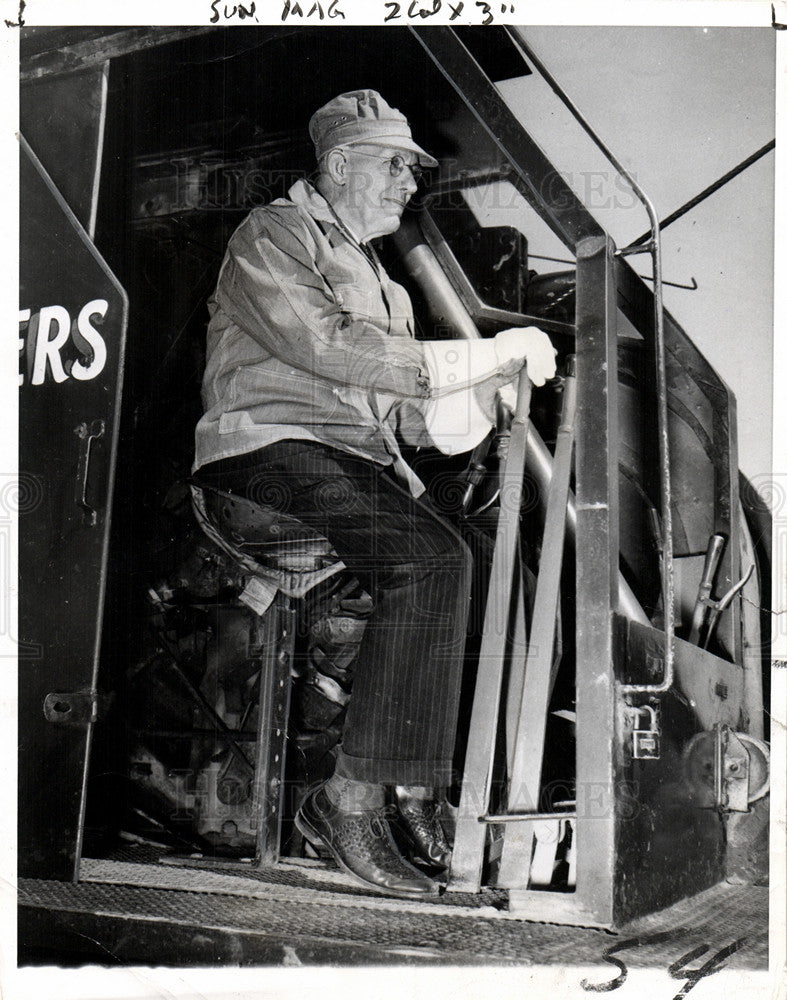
(723, 766)
(77, 708)
(735, 775)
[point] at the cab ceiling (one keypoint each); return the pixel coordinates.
(232, 88)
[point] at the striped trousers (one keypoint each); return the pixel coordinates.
(401, 721)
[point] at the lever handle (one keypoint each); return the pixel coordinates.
(713, 554)
(87, 435)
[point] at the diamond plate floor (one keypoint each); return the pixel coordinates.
(315, 914)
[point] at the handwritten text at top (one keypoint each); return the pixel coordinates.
(478, 12)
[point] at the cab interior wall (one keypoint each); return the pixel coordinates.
(208, 107)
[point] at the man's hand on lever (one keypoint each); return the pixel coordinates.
(467, 375)
(528, 344)
(524, 345)
(513, 349)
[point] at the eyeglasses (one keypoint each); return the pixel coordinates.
(396, 164)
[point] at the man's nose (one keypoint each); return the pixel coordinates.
(409, 183)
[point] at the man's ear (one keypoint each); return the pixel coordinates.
(336, 166)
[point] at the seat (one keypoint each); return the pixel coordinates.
(281, 559)
(277, 553)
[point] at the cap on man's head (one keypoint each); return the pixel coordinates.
(363, 116)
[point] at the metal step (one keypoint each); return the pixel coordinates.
(308, 913)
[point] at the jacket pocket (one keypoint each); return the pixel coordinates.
(360, 302)
(235, 420)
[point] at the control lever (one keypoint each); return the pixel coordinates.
(705, 605)
(704, 601)
(717, 607)
(476, 470)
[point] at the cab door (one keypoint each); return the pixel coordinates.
(72, 323)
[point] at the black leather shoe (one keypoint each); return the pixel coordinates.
(362, 845)
(419, 821)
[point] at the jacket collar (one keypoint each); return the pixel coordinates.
(307, 197)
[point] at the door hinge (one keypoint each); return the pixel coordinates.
(726, 770)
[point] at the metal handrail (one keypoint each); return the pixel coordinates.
(654, 246)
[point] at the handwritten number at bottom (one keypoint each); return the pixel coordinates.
(677, 970)
(634, 942)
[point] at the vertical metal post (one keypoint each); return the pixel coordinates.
(468, 855)
(516, 668)
(274, 709)
(530, 733)
(597, 555)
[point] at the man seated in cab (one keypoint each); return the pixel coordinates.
(312, 370)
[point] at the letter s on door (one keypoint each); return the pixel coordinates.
(98, 307)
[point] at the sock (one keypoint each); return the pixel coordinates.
(350, 795)
(423, 793)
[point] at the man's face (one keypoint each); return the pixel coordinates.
(380, 182)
